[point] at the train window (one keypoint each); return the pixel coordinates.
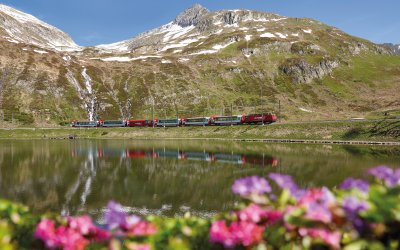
(229, 118)
(196, 120)
(113, 122)
(168, 121)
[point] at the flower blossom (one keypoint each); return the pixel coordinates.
(330, 238)
(251, 185)
(351, 183)
(46, 231)
(69, 239)
(62, 237)
(116, 217)
(286, 182)
(353, 207)
(254, 213)
(238, 233)
(389, 176)
(142, 228)
(319, 195)
(132, 225)
(83, 224)
(317, 212)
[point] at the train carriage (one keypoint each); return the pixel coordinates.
(176, 122)
(141, 123)
(111, 124)
(85, 124)
(230, 158)
(228, 120)
(175, 154)
(266, 118)
(198, 156)
(198, 121)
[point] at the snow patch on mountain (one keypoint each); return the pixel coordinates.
(180, 44)
(116, 59)
(269, 35)
(144, 57)
(28, 29)
(40, 51)
(117, 47)
(248, 37)
(222, 46)
(204, 52)
(309, 31)
(281, 35)
(173, 31)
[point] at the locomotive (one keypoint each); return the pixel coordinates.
(264, 118)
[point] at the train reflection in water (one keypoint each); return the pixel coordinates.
(231, 158)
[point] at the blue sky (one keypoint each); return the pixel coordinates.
(92, 22)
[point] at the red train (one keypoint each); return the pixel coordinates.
(264, 118)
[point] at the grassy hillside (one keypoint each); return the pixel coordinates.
(315, 72)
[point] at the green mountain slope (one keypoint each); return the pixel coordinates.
(219, 63)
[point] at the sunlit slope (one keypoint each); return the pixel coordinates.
(204, 63)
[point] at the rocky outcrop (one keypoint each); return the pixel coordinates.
(395, 48)
(303, 72)
(191, 16)
(231, 18)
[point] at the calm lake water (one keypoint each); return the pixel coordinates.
(165, 177)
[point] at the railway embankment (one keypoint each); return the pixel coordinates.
(345, 132)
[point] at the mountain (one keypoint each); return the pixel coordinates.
(395, 48)
(201, 63)
(19, 27)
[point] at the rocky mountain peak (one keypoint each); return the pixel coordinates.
(191, 15)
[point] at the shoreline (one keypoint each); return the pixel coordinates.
(341, 133)
(266, 140)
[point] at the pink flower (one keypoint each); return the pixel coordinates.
(321, 195)
(62, 237)
(318, 212)
(256, 214)
(329, 237)
(69, 239)
(142, 228)
(252, 213)
(71, 236)
(82, 224)
(246, 233)
(273, 216)
(46, 232)
(238, 233)
(219, 233)
(101, 235)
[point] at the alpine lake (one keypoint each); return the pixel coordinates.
(166, 177)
